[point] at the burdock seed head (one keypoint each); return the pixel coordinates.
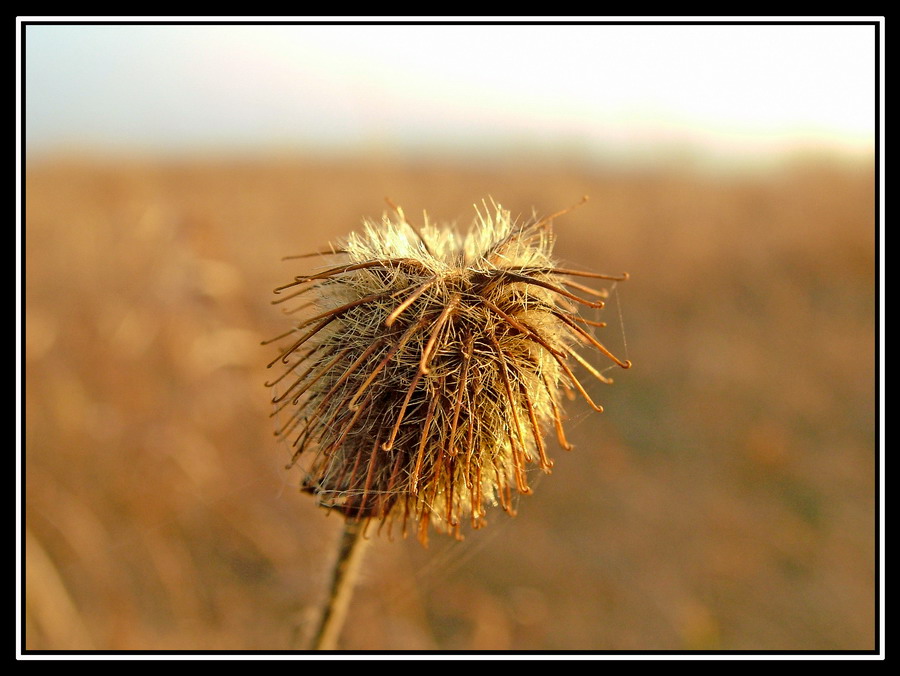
(428, 366)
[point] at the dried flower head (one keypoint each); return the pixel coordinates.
(421, 383)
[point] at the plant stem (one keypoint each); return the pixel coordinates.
(346, 569)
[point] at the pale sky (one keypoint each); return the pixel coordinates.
(736, 91)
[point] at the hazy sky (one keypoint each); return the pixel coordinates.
(738, 91)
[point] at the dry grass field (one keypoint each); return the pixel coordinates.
(724, 500)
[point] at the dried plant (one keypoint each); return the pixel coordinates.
(430, 367)
(419, 385)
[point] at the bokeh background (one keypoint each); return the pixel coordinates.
(725, 500)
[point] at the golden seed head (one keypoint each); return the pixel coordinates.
(428, 367)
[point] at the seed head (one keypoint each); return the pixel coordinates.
(428, 366)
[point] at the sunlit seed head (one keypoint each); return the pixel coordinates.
(427, 365)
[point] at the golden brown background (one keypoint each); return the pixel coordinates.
(724, 500)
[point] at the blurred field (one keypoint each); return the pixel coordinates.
(724, 500)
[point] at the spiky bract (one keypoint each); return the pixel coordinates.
(421, 384)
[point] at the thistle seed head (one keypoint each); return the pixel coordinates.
(427, 366)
